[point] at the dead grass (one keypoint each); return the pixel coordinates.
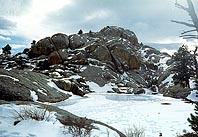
(77, 127)
(29, 112)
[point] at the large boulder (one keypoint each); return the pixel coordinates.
(76, 41)
(28, 86)
(54, 58)
(98, 75)
(60, 41)
(49, 44)
(58, 57)
(113, 31)
(99, 52)
(71, 86)
(123, 57)
(42, 47)
(63, 84)
(120, 52)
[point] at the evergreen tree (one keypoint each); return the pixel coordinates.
(80, 32)
(193, 120)
(6, 49)
(183, 66)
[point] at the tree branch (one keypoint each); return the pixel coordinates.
(193, 15)
(188, 31)
(189, 37)
(194, 19)
(184, 23)
(181, 7)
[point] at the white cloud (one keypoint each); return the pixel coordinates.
(100, 14)
(4, 38)
(168, 40)
(14, 7)
(149, 19)
(30, 25)
(174, 40)
(17, 46)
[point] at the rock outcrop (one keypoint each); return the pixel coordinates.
(57, 67)
(112, 55)
(110, 44)
(72, 86)
(28, 86)
(104, 55)
(113, 31)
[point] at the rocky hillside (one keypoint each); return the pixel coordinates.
(113, 56)
(109, 61)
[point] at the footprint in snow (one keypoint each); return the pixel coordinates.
(31, 135)
(15, 133)
(3, 132)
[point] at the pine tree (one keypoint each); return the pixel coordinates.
(6, 49)
(183, 66)
(80, 32)
(193, 120)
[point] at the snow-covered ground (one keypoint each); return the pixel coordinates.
(123, 111)
(154, 113)
(26, 128)
(118, 110)
(194, 93)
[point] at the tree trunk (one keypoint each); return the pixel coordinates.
(195, 62)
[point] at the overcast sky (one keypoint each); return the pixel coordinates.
(21, 21)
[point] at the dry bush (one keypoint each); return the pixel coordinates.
(29, 112)
(77, 127)
(135, 132)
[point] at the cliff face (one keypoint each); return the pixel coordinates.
(111, 56)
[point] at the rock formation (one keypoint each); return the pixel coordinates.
(112, 55)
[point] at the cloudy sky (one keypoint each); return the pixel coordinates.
(21, 21)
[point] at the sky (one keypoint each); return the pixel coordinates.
(22, 21)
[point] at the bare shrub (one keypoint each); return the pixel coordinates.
(77, 127)
(108, 133)
(29, 112)
(135, 132)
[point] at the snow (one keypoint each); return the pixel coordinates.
(163, 61)
(192, 84)
(193, 96)
(35, 83)
(123, 111)
(33, 95)
(75, 76)
(148, 91)
(118, 110)
(27, 128)
(169, 80)
(9, 77)
(83, 68)
(56, 74)
(102, 67)
(53, 85)
(59, 70)
(194, 93)
(95, 87)
(42, 91)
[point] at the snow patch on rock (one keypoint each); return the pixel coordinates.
(9, 77)
(33, 95)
